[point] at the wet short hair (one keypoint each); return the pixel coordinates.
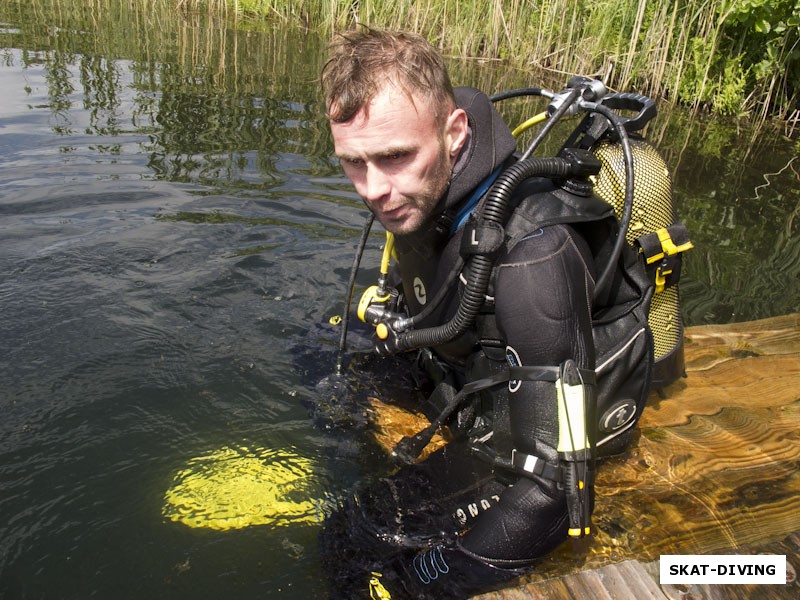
(363, 61)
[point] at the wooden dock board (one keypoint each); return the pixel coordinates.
(713, 471)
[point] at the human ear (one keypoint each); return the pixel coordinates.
(455, 131)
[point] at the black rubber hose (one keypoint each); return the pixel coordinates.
(350, 286)
(480, 267)
(528, 91)
(627, 204)
(566, 105)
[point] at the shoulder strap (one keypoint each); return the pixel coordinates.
(541, 203)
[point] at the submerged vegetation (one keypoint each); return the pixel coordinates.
(731, 57)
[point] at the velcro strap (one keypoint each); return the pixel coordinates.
(529, 465)
(664, 242)
(482, 237)
(662, 251)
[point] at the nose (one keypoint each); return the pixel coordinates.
(376, 185)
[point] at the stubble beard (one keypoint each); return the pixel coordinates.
(426, 201)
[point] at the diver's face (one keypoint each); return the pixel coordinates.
(398, 157)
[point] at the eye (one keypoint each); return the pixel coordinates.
(396, 157)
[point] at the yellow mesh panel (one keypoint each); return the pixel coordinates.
(665, 321)
(652, 210)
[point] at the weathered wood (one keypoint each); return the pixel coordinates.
(633, 579)
(714, 470)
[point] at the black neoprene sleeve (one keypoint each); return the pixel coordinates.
(542, 303)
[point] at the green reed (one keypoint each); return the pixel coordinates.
(731, 57)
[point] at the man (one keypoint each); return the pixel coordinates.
(420, 155)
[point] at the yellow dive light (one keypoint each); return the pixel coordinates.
(236, 487)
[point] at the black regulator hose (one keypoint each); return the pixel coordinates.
(581, 88)
(517, 93)
(350, 286)
(568, 101)
(480, 267)
(627, 205)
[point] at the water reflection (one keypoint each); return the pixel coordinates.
(215, 105)
(740, 197)
(164, 189)
(223, 106)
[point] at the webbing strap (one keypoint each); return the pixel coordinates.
(521, 373)
(662, 250)
(410, 447)
(529, 464)
(514, 373)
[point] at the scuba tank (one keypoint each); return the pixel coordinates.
(653, 215)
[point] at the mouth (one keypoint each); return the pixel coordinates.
(396, 213)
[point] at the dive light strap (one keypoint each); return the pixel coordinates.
(529, 465)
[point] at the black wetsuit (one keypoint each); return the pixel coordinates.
(450, 527)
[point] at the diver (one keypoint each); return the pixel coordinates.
(432, 164)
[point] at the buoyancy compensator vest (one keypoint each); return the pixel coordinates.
(637, 251)
(620, 331)
(636, 322)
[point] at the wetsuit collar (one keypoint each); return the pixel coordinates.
(466, 210)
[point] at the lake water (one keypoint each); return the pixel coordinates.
(174, 238)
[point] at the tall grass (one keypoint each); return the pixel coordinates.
(712, 54)
(735, 57)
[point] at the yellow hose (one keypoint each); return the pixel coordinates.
(529, 123)
(388, 250)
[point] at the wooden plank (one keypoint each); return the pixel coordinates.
(628, 580)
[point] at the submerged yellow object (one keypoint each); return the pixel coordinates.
(236, 487)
